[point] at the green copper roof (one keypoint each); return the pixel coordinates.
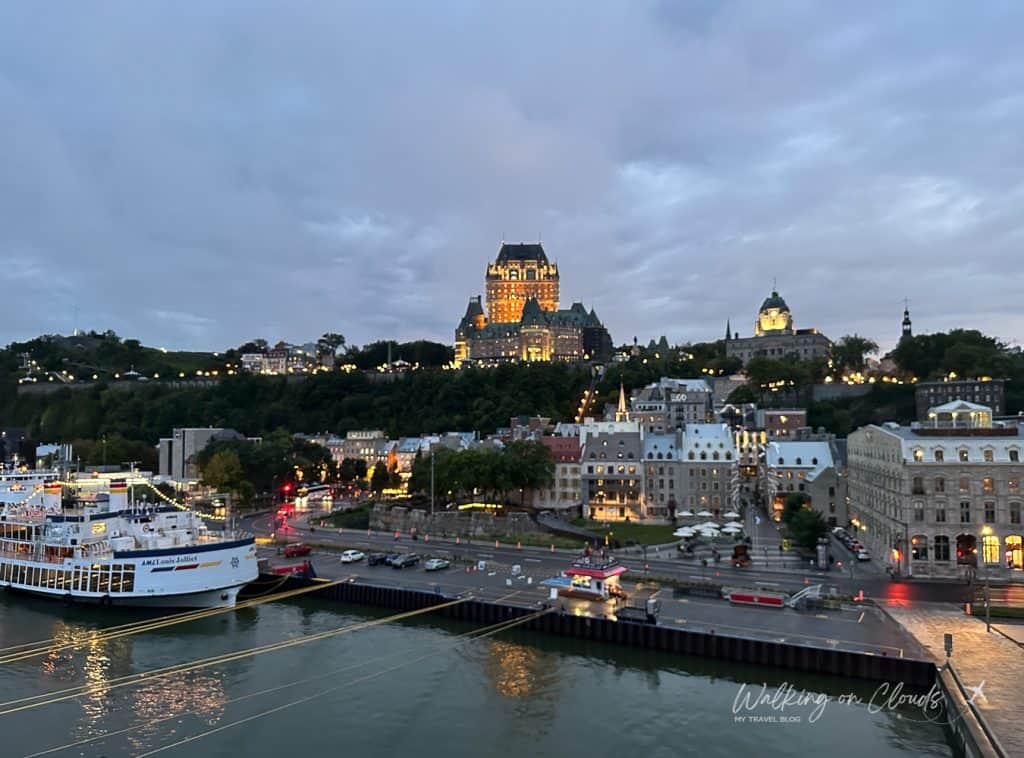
(774, 301)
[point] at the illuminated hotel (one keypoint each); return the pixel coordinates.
(523, 321)
(775, 337)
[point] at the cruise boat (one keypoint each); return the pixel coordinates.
(108, 551)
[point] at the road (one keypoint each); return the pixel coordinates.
(851, 578)
(855, 627)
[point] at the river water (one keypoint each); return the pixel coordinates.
(418, 687)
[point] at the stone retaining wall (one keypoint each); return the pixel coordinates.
(399, 518)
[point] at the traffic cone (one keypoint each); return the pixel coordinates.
(341, 531)
(860, 595)
(717, 574)
(496, 544)
(426, 538)
(805, 580)
(457, 541)
(367, 532)
(396, 535)
(552, 547)
(519, 546)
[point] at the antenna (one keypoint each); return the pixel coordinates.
(775, 286)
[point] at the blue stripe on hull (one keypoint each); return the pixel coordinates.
(121, 554)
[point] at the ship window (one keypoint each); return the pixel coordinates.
(128, 583)
(115, 578)
(94, 579)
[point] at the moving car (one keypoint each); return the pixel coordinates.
(436, 564)
(296, 549)
(376, 559)
(863, 555)
(405, 561)
(390, 558)
(351, 556)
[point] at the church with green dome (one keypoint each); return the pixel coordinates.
(775, 336)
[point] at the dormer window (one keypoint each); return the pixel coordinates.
(918, 455)
(963, 455)
(989, 456)
(939, 456)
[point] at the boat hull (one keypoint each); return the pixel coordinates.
(219, 598)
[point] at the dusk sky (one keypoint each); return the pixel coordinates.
(198, 174)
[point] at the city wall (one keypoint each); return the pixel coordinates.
(399, 518)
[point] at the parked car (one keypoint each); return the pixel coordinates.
(352, 556)
(436, 564)
(296, 549)
(376, 559)
(863, 555)
(405, 561)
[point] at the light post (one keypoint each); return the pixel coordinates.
(431, 482)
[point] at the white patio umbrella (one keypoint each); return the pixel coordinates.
(732, 530)
(732, 514)
(709, 532)
(704, 514)
(737, 524)
(685, 513)
(708, 525)
(685, 531)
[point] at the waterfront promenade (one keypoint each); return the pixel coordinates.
(979, 658)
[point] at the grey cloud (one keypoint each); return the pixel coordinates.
(200, 174)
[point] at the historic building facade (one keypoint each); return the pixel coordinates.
(942, 499)
(523, 321)
(775, 336)
(629, 474)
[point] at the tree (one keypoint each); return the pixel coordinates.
(223, 471)
(794, 504)
(330, 343)
(380, 479)
(850, 352)
(806, 527)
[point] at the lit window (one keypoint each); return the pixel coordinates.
(990, 549)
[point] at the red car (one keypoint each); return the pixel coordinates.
(294, 551)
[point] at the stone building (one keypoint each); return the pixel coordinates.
(627, 472)
(565, 491)
(942, 499)
(671, 404)
(775, 336)
(523, 321)
(811, 468)
(984, 391)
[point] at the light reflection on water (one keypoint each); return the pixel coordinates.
(515, 694)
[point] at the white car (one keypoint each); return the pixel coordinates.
(863, 555)
(352, 556)
(436, 564)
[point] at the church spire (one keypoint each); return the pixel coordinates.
(621, 414)
(728, 330)
(907, 330)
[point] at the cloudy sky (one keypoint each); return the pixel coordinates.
(198, 174)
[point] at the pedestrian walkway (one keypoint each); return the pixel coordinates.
(981, 659)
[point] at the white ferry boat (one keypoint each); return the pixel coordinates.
(107, 551)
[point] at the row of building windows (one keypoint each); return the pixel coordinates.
(988, 484)
(102, 578)
(963, 455)
(988, 511)
(991, 551)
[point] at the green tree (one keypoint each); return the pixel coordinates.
(380, 479)
(806, 527)
(223, 471)
(850, 353)
(330, 343)
(795, 502)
